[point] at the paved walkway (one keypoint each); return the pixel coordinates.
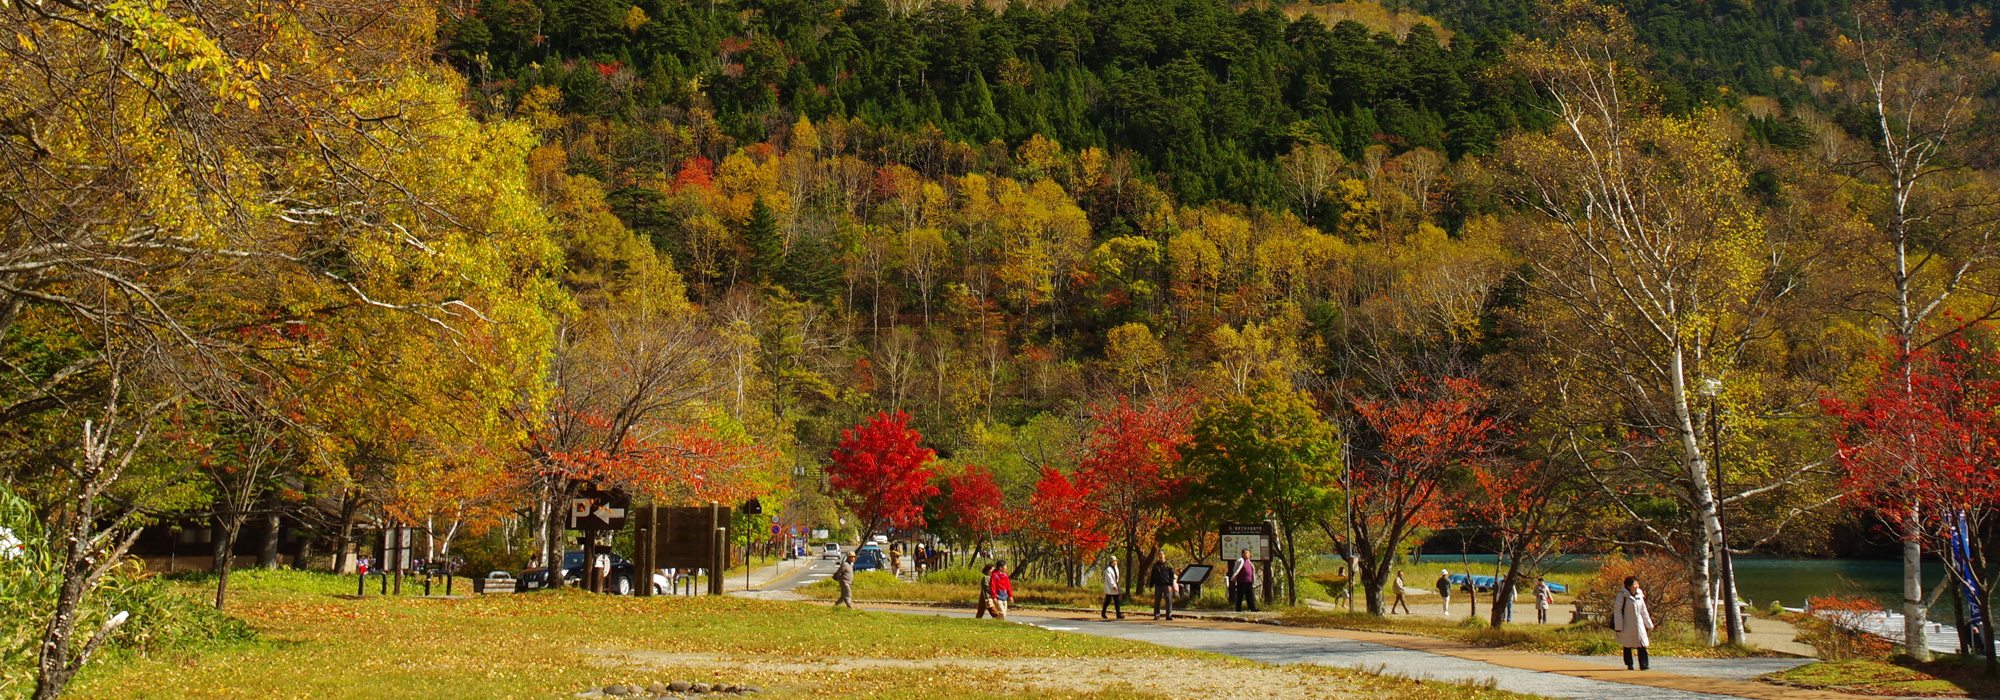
(1438, 659)
(1766, 633)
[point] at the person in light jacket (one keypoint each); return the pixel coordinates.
(1400, 602)
(1114, 596)
(1544, 595)
(1632, 622)
(844, 575)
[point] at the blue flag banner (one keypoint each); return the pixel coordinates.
(1961, 561)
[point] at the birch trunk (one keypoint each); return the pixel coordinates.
(1702, 496)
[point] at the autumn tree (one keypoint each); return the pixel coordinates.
(968, 508)
(1645, 262)
(1071, 522)
(1419, 443)
(1535, 508)
(193, 195)
(1926, 234)
(1129, 461)
(882, 472)
(1919, 449)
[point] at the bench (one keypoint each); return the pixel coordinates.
(1579, 615)
(487, 586)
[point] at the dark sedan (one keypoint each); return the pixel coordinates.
(620, 582)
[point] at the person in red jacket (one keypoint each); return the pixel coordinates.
(1003, 590)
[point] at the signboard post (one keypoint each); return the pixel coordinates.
(396, 554)
(1255, 537)
(1237, 537)
(682, 538)
(594, 511)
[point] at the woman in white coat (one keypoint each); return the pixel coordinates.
(1632, 622)
(1114, 594)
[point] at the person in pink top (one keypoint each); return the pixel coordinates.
(1003, 590)
(1243, 578)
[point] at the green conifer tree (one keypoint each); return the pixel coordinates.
(767, 248)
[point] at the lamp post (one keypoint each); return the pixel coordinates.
(1347, 493)
(1732, 614)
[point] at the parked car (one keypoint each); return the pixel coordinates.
(870, 558)
(833, 550)
(620, 582)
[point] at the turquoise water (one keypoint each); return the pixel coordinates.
(1761, 579)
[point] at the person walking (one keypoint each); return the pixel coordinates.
(1164, 583)
(1114, 594)
(1243, 578)
(1544, 596)
(1003, 589)
(896, 561)
(985, 592)
(844, 575)
(1444, 589)
(1400, 601)
(1632, 622)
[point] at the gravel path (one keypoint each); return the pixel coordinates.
(1733, 669)
(1368, 656)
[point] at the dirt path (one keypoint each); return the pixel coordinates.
(1176, 678)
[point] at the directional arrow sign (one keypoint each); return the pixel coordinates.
(596, 509)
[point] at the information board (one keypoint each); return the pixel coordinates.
(1237, 537)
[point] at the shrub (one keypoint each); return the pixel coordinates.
(955, 576)
(30, 574)
(1664, 580)
(1833, 629)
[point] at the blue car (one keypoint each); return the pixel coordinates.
(870, 558)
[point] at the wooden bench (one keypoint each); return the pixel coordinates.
(488, 586)
(1579, 615)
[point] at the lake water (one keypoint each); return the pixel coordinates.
(1761, 580)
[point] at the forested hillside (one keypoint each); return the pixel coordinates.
(1205, 94)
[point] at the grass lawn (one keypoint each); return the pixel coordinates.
(554, 644)
(1944, 678)
(1583, 639)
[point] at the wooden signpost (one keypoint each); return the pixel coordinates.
(596, 511)
(680, 538)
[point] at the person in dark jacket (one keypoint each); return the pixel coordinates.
(1165, 584)
(985, 591)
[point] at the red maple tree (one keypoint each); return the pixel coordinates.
(970, 508)
(1534, 508)
(1069, 515)
(883, 473)
(1422, 436)
(1923, 446)
(677, 465)
(1128, 466)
